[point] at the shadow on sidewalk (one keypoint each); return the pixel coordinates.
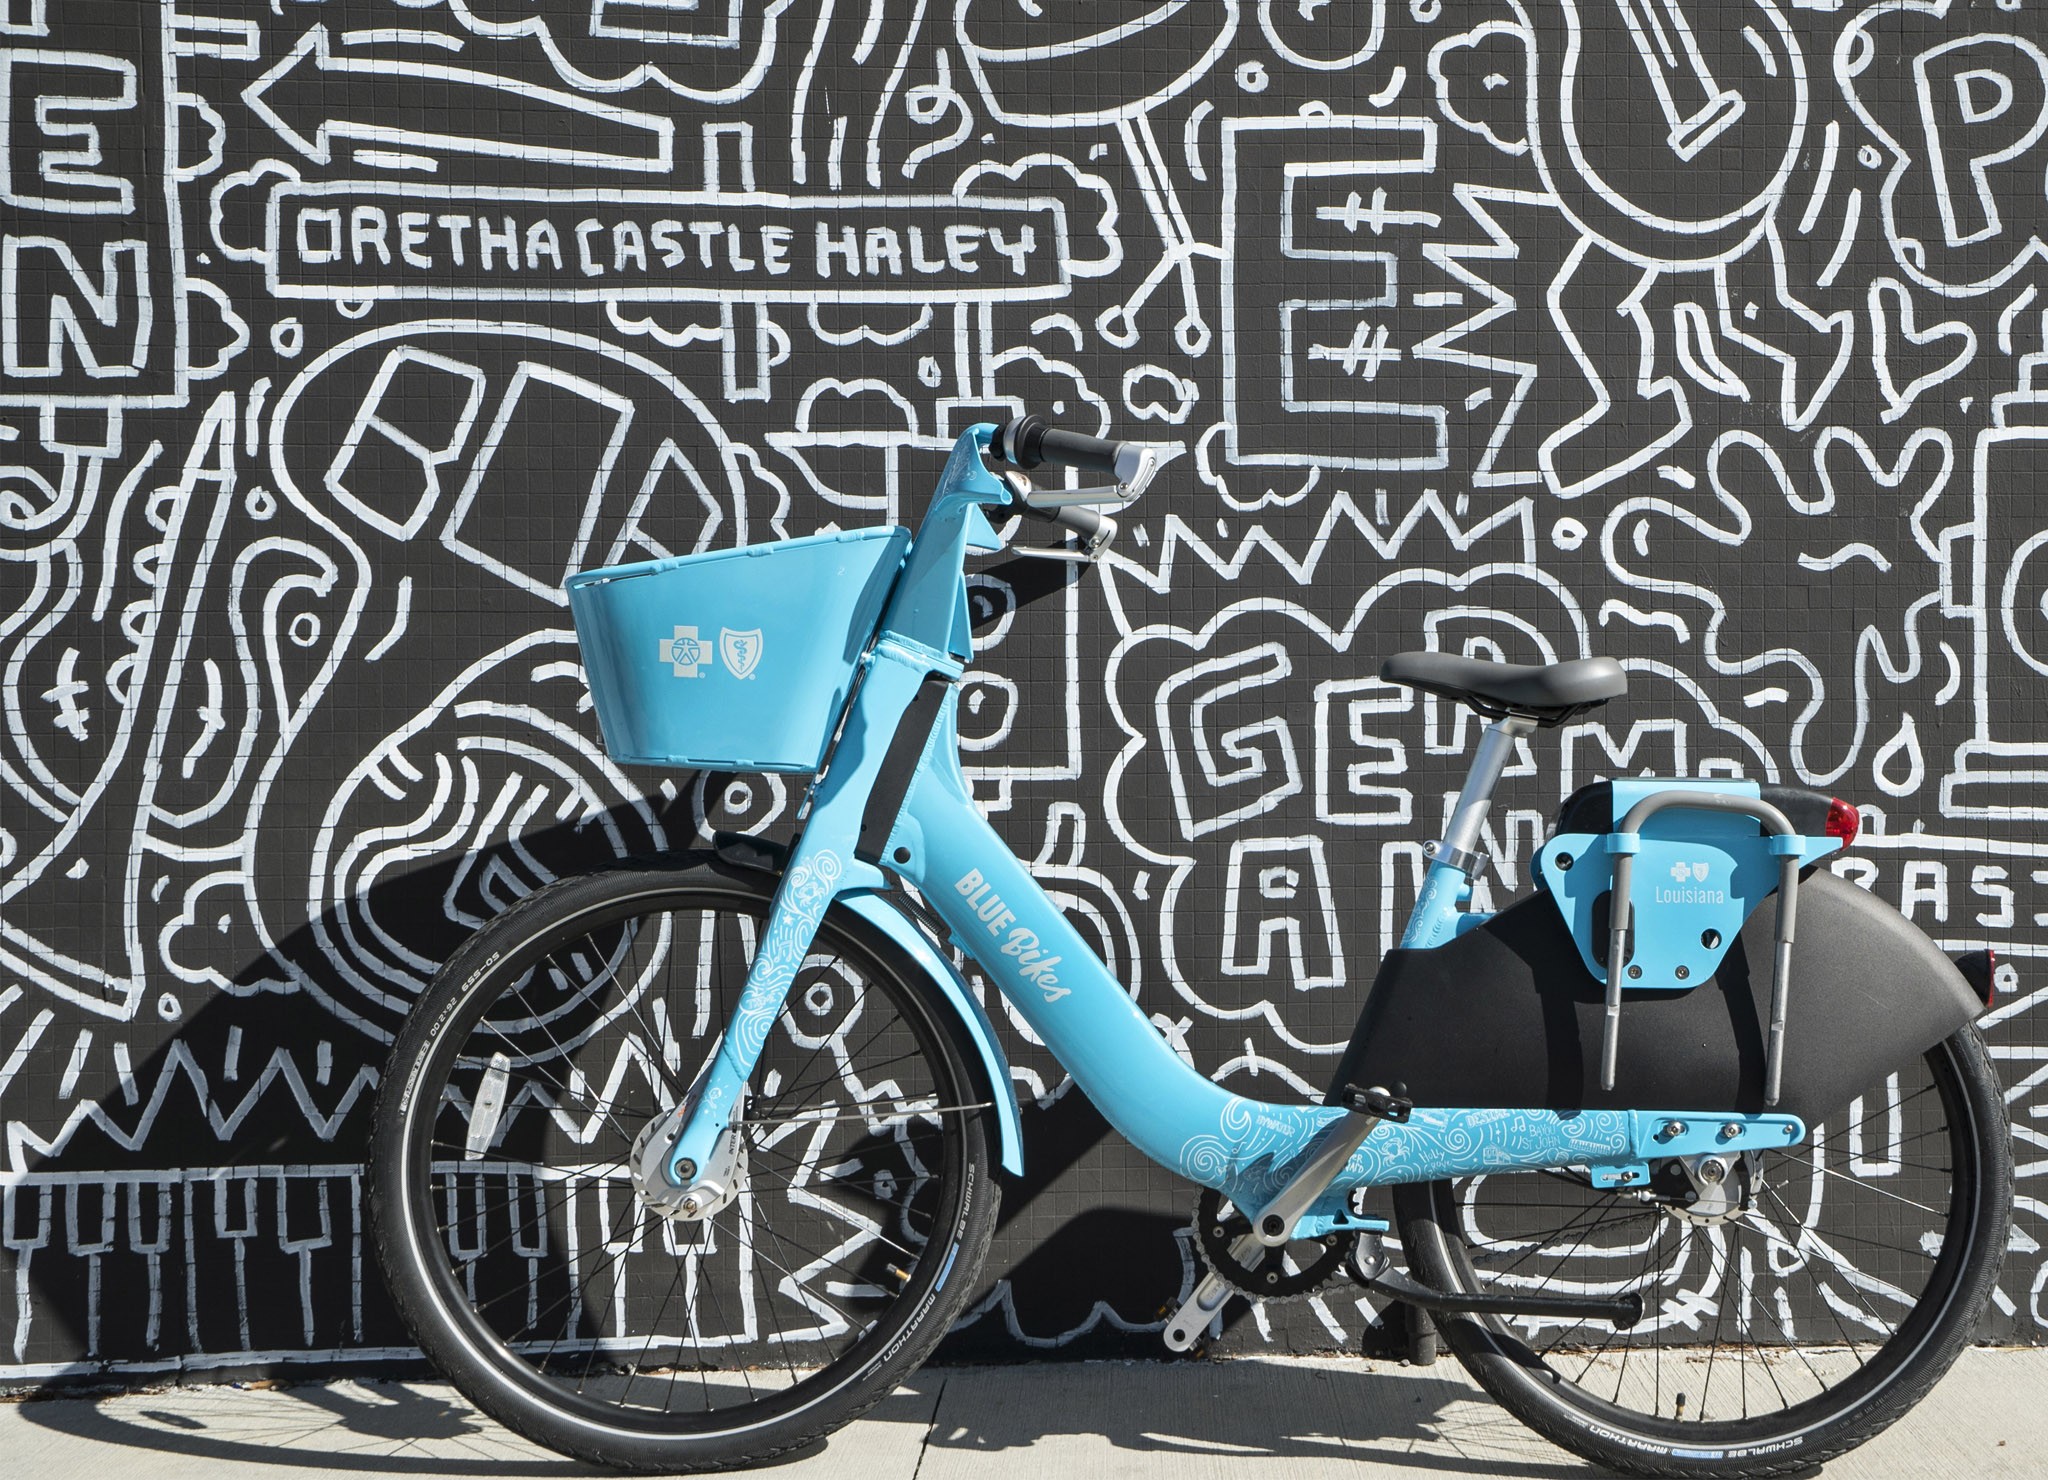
(1241, 1410)
(375, 1428)
(1247, 1409)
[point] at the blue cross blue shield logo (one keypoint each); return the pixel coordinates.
(741, 651)
(685, 653)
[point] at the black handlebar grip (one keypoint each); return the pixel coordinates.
(1031, 441)
(1074, 450)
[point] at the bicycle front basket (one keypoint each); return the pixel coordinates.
(738, 660)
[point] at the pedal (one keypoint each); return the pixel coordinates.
(1386, 1104)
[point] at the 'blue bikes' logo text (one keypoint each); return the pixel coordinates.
(1034, 965)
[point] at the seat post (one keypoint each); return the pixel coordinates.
(1459, 846)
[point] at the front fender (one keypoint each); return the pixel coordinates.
(884, 916)
(878, 912)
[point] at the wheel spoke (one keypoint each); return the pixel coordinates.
(853, 1165)
(1808, 1285)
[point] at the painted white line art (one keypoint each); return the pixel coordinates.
(1712, 337)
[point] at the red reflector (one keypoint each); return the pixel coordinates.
(1844, 821)
(1980, 970)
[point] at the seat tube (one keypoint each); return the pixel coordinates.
(1455, 858)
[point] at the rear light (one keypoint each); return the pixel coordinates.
(1980, 970)
(1844, 821)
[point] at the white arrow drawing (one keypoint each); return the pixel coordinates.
(304, 98)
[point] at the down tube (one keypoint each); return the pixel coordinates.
(1165, 1108)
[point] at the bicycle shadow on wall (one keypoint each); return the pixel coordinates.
(259, 1262)
(209, 1200)
(215, 1227)
(212, 1219)
(209, 1207)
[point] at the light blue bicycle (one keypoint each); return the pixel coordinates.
(685, 1163)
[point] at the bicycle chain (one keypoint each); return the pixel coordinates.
(1268, 1277)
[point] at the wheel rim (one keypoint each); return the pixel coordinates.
(1768, 1324)
(555, 1275)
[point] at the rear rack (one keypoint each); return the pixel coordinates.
(1626, 841)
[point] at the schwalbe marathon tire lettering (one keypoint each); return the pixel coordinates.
(1529, 1391)
(481, 1369)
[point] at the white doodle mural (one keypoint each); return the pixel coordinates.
(335, 333)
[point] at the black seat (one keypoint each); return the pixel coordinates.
(1549, 693)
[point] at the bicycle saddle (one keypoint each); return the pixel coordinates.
(1549, 693)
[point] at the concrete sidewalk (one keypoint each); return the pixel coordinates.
(1302, 1419)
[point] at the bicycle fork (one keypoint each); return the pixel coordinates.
(687, 1159)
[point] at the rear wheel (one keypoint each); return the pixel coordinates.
(530, 1268)
(1836, 1288)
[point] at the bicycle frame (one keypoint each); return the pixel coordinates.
(930, 833)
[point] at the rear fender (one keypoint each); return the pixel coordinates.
(1507, 1016)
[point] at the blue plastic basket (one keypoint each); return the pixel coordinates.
(739, 660)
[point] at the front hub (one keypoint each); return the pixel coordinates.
(704, 1190)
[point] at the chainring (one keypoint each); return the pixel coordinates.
(1314, 1262)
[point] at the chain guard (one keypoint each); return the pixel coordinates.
(1267, 1277)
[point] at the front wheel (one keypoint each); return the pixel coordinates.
(533, 1272)
(1785, 1321)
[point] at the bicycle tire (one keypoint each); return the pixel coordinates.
(1442, 1225)
(920, 1216)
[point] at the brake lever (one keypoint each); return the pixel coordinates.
(1040, 507)
(1092, 548)
(1133, 474)
(1118, 494)
(1134, 471)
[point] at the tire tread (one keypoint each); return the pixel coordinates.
(482, 1386)
(1502, 1377)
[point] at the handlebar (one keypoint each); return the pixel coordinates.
(1032, 441)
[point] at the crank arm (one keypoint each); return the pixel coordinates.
(1326, 1158)
(1192, 1319)
(1619, 1311)
(1187, 1324)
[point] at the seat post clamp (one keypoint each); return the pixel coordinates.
(1464, 861)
